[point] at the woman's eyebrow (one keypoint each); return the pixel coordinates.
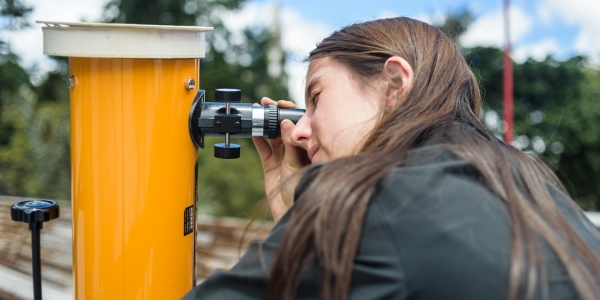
(311, 86)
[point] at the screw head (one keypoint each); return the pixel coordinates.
(71, 81)
(236, 124)
(190, 84)
(218, 124)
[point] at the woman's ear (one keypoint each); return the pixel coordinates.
(398, 75)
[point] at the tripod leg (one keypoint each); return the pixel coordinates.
(37, 264)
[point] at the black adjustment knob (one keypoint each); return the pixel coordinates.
(35, 211)
(228, 95)
(224, 152)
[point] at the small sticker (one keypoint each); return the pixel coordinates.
(188, 220)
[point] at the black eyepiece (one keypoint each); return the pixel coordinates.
(273, 117)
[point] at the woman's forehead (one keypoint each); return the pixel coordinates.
(322, 70)
(324, 67)
(317, 65)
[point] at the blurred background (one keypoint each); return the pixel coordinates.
(259, 47)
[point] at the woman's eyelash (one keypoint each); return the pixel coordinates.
(315, 99)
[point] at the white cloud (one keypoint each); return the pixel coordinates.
(488, 30)
(298, 36)
(544, 12)
(28, 43)
(438, 17)
(301, 35)
(584, 14)
(252, 14)
(296, 71)
(588, 43)
(537, 51)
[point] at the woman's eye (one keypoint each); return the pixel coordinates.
(315, 99)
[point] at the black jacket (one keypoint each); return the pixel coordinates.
(433, 231)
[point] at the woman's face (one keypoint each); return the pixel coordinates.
(340, 112)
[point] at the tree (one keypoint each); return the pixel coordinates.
(34, 133)
(11, 77)
(13, 15)
(550, 98)
(579, 165)
(556, 112)
(456, 23)
(35, 162)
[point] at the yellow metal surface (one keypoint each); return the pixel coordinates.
(132, 177)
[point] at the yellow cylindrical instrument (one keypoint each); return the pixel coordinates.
(133, 163)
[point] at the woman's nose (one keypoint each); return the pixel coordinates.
(302, 132)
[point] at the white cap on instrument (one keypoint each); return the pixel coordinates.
(123, 40)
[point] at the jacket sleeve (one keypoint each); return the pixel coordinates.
(248, 278)
(245, 281)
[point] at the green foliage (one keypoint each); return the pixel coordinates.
(556, 112)
(232, 187)
(456, 23)
(35, 162)
(34, 123)
(554, 115)
(486, 64)
(580, 128)
(168, 12)
(12, 76)
(15, 13)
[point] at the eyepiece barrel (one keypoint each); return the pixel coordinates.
(274, 115)
(292, 114)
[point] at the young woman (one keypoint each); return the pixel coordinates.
(389, 187)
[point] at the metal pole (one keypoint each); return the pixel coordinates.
(36, 259)
(227, 135)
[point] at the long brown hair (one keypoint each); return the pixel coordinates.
(326, 223)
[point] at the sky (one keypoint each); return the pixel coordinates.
(561, 28)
